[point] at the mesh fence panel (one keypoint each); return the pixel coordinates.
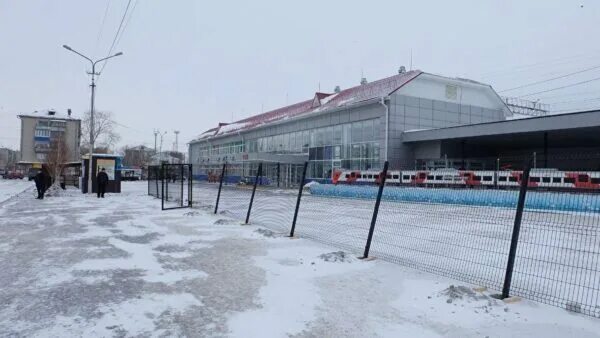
(154, 182)
(206, 185)
(342, 222)
(274, 200)
(469, 243)
(456, 223)
(558, 254)
(176, 185)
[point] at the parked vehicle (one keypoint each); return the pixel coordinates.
(131, 174)
(13, 175)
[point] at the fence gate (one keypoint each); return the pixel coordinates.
(176, 186)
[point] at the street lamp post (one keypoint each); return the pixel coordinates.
(93, 96)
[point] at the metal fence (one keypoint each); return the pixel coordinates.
(154, 181)
(528, 232)
(171, 183)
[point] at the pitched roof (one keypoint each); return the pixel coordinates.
(347, 97)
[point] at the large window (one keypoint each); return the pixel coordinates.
(350, 146)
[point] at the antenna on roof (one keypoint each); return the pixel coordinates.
(410, 59)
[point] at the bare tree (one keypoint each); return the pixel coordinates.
(105, 134)
(57, 158)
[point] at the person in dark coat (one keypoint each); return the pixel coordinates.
(43, 181)
(40, 184)
(101, 182)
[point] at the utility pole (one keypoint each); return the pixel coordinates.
(161, 144)
(155, 135)
(93, 85)
(176, 142)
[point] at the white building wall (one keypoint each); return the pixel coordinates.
(434, 87)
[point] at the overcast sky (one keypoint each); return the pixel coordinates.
(190, 64)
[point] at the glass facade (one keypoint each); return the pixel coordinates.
(352, 145)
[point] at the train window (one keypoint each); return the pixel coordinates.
(430, 177)
(388, 176)
(396, 177)
(351, 174)
(534, 179)
(595, 180)
(375, 176)
(476, 178)
(406, 177)
(347, 176)
(556, 180)
(412, 177)
(546, 179)
(512, 179)
(370, 176)
(502, 178)
(569, 180)
(582, 178)
(439, 178)
(487, 178)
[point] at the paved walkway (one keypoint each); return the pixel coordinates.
(75, 265)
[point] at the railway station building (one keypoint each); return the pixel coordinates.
(412, 119)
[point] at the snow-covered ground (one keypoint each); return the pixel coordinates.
(10, 188)
(76, 265)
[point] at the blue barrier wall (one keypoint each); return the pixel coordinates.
(560, 201)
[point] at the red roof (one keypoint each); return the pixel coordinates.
(368, 91)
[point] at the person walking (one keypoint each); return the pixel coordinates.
(43, 181)
(40, 184)
(101, 182)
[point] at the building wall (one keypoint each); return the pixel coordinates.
(439, 88)
(72, 136)
(320, 143)
(427, 102)
(413, 113)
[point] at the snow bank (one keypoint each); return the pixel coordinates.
(557, 201)
(10, 188)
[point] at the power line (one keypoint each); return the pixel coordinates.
(562, 87)
(127, 22)
(556, 61)
(550, 79)
(562, 95)
(112, 46)
(576, 101)
(103, 21)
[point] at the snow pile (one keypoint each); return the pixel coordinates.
(557, 201)
(459, 293)
(311, 184)
(56, 191)
(267, 233)
(337, 257)
(224, 129)
(223, 221)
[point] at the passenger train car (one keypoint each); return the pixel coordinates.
(538, 178)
